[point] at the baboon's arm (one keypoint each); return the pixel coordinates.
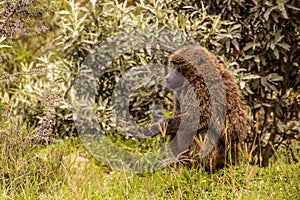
(164, 126)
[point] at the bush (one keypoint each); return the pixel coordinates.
(258, 40)
(268, 52)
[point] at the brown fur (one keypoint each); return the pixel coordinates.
(195, 63)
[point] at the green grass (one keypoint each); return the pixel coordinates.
(64, 170)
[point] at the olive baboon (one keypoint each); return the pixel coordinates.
(194, 70)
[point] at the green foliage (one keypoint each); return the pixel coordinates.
(268, 52)
(27, 169)
(42, 46)
(64, 171)
(24, 17)
(258, 40)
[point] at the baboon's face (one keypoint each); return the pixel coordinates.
(175, 77)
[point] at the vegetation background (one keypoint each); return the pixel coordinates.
(42, 46)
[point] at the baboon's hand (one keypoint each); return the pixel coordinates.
(148, 132)
(155, 128)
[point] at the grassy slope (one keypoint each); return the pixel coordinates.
(65, 171)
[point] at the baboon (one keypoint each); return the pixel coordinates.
(204, 91)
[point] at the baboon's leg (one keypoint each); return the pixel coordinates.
(184, 136)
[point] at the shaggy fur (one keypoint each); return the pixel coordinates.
(201, 68)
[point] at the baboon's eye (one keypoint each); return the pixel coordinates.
(177, 65)
(177, 68)
(178, 62)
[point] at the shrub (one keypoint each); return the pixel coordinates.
(258, 40)
(268, 54)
